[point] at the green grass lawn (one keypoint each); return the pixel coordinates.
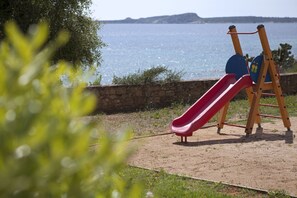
(156, 121)
(239, 109)
(161, 184)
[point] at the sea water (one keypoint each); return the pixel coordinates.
(200, 51)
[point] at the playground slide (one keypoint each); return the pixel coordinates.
(209, 104)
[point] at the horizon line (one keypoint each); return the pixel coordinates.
(197, 15)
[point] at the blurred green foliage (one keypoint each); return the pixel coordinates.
(45, 145)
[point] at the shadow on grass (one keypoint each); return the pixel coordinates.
(288, 137)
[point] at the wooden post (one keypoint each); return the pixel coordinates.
(249, 91)
(236, 44)
(256, 98)
(235, 40)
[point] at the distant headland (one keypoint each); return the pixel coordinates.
(193, 18)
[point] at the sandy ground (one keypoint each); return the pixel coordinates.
(265, 160)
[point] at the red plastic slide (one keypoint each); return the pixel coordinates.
(209, 104)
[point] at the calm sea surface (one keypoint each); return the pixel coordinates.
(199, 50)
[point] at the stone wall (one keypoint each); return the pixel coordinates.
(122, 98)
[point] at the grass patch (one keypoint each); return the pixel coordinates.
(141, 123)
(238, 110)
(157, 121)
(161, 184)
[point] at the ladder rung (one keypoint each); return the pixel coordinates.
(234, 125)
(268, 94)
(269, 105)
(270, 116)
(267, 86)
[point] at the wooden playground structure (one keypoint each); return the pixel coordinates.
(261, 79)
(261, 87)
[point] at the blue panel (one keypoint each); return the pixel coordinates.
(237, 65)
(255, 69)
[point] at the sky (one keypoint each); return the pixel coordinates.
(121, 9)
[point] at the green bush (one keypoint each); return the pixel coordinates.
(283, 57)
(293, 69)
(45, 146)
(159, 74)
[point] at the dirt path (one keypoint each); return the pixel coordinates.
(266, 160)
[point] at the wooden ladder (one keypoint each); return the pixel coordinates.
(268, 65)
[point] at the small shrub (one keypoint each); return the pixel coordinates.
(159, 74)
(293, 68)
(283, 57)
(97, 81)
(44, 144)
(92, 76)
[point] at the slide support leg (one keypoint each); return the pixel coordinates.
(183, 140)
